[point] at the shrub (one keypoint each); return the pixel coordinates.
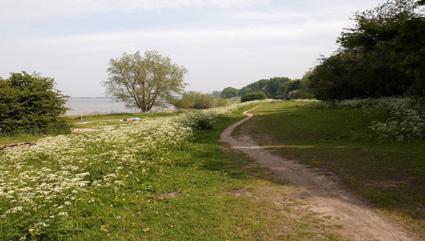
(196, 100)
(198, 120)
(30, 104)
(254, 95)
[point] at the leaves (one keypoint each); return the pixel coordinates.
(141, 81)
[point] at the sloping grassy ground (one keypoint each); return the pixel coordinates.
(391, 175)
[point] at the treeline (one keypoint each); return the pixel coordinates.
(273, 88)
(382, 55)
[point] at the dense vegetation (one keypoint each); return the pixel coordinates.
(30, 104)
(273, 88)
(382, 55)
(197, 100)
(253, 95)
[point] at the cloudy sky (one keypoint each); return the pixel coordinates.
(221, 42)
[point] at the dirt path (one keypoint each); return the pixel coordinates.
(324, 196)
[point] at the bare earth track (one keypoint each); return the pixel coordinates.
(324, 196)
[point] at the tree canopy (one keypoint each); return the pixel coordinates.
(229, 92)
(382, 55)
(274, 88)
(139, 81)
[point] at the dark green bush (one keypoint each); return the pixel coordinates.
(29, 104)
(254, 95)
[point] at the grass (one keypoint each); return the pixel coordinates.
(187, 195)
(391, 175)
(204, 176)
(5, 140)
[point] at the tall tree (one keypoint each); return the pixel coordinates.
(382, 55)
(139, 81)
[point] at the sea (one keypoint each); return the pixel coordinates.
(78, 106)
(95, 105)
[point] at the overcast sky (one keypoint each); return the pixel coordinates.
(221, 42)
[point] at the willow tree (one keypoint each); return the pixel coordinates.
(139, 81)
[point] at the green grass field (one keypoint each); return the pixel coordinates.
(391, 175)
(190, 194)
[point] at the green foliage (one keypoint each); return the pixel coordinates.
(197, 100)
(299, 89)
(382, 55)
(274, 88)
(254, 95)
(30, 104)
(140, 81)
(229, 92)
(198, 120)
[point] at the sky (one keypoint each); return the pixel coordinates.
(221, 42)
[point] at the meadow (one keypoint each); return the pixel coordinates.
(388, 170)
(165, 178)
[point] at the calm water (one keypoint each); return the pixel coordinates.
(101, 105)
(104, 105)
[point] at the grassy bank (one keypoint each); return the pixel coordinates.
(391, 175)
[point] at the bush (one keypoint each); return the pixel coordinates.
(29, 104)
(196, 100)
(198, 120)
(254, 95)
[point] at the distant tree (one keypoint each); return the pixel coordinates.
(254, 95)
(245, 90)
(29, 103)
(276, 88)
(139, 81)
(216, 93)
(229, 92)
